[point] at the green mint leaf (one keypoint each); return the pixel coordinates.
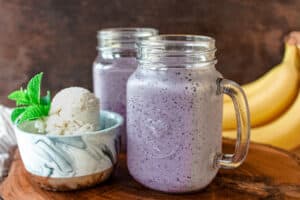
(22, 103)
(45, 109)
(30, 105)
(45, 103)
(34, 88)
(31, 113)
(16, 113)
(46, 100)
(16, 95)
(20, 97)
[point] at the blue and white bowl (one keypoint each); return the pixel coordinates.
(71, 162)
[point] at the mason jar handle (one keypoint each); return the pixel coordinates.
(238, 97)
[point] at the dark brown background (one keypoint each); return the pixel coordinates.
(59, 36)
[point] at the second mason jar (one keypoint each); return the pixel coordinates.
(116, 60)
(174, 115)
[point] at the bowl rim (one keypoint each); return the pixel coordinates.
(112, 115)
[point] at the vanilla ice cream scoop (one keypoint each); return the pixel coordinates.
(73, 110)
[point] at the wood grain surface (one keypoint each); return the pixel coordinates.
(297, 151)
(267, 173)
(59, 37)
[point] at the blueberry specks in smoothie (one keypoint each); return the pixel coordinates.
(181, 103)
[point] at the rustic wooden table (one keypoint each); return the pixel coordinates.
(268, 173)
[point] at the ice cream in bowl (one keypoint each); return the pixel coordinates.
(66, 143)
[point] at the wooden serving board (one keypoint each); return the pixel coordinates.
(268, 173)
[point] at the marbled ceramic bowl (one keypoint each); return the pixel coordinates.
(70, 162)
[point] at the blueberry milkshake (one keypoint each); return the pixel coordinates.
(114, 64)
(172, 139)
(110, 86)
(174, 115)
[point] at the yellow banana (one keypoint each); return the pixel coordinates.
(273, 94)
(255, 86)
(284, 132)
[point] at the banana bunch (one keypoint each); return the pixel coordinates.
(274, 103)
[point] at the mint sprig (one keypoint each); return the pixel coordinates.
(29, 103)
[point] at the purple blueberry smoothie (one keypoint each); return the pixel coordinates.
(174, 115)
(172, 137)
(114, 64)
(110, 86)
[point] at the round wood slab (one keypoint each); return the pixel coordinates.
(267, 173)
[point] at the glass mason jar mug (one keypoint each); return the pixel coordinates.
(116, 60)
(174, 115)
